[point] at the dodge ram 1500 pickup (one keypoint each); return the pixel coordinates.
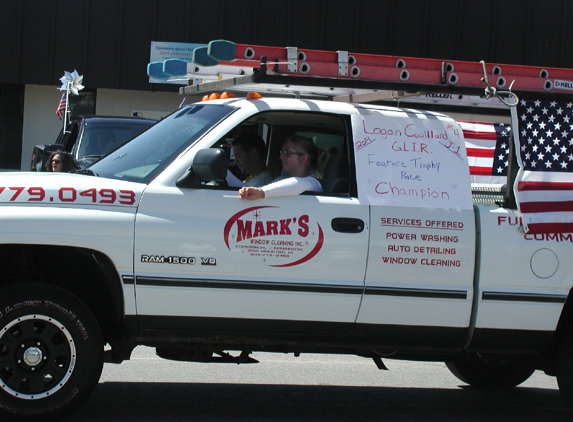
(149, 246)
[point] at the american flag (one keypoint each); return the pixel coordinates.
(545, 181)
(487, 146)
(62, 106)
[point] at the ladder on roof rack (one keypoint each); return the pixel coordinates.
(241, 66)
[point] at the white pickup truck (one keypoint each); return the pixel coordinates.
(149, 246)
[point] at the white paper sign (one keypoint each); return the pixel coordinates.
(411, 161)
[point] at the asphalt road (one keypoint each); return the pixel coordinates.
(308, 388)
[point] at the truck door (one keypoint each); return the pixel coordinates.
(207, 260)
(419, 282)
(420, 275)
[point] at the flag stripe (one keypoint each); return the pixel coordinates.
(476, 126)
(480, 171)
(541, 176)
(482, 162)
(474, 134)
(541, 228)
(480, 143)
(556, 217)
(479, 152)
(544, 186)
(547, 195)
(547, 206)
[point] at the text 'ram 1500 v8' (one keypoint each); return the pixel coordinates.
(393, 258)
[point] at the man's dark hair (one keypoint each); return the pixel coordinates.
(249, 141)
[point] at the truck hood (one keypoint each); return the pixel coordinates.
(67, 189)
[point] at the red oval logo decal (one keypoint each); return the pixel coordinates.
(277, 237)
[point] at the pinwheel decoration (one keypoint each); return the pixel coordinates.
(71, 83)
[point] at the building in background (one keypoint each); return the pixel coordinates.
(108, 41)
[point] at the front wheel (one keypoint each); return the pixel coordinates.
(492, 376)
(51, 351)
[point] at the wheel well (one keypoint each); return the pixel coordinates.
(88, 274)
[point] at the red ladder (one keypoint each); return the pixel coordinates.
(342, 65)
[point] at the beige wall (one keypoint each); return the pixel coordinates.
(42, 126)
(154, 105)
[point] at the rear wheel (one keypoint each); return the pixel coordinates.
(564, 369)
(51, 351)
(494, 376)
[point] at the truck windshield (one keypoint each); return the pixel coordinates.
(144, 157)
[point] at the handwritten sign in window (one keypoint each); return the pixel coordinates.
(409, 161)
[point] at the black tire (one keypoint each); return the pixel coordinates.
(492, 376)
(51, 351)
(564, 369)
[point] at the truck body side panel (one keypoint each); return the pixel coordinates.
(523, 279)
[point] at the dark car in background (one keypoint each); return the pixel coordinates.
(87, 138)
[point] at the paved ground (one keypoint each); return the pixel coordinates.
(308, 388)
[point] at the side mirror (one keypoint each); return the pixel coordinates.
(209, 165)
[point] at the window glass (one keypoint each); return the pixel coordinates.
(82, 104)
(98, 140)
(326, 130)
(148, 154)
(333, 143)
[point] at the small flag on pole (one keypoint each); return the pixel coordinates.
(62, 106)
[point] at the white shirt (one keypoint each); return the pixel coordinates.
(292, 186)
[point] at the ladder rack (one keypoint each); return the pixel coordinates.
(289, 70)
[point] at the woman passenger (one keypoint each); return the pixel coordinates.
(302, 159)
